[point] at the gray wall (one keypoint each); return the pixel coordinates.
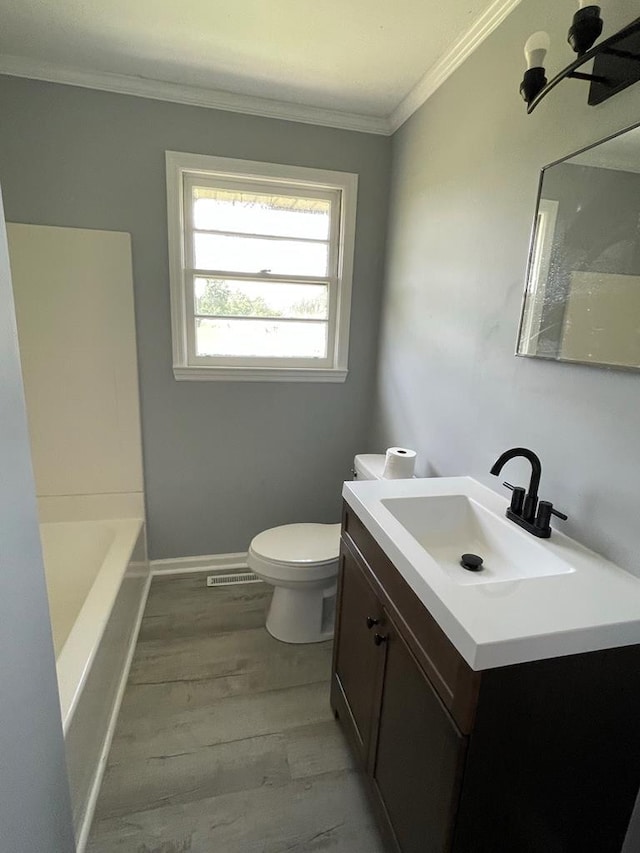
(464, 180)
(35, 811)
(222, 460)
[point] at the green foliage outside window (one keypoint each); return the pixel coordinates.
(219, 299)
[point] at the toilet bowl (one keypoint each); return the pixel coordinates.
(301, 562)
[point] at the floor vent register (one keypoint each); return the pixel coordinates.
(229, 580)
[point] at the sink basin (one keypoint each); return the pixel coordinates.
(448, 526)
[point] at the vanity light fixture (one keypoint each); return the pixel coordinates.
(616, 60)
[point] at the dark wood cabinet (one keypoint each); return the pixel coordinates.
(358, 660)
(541, 757)
(419, 753)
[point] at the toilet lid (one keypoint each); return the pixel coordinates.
(299, 543)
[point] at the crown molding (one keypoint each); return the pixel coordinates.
(451, 60)
(196, 96)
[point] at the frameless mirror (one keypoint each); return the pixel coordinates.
(582, 297)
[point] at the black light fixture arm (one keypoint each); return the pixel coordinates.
(578, 75)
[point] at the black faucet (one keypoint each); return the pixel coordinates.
(525, 509)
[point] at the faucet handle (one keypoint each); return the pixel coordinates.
(517, 499)
(545, 511)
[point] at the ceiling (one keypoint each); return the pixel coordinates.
(359, 58)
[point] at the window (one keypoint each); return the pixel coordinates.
(260, 268)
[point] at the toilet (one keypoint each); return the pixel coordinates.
(301, 562)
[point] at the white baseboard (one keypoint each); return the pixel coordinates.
(212, 563)
(87, 820)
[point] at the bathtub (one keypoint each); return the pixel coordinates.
(97, 581)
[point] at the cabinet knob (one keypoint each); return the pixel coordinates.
(371, 622)
(379, 639)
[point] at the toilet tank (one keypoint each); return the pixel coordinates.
(368, 466)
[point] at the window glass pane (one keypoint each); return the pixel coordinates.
(261, 338)
(244, 254)
(261, 299)
(258, 213)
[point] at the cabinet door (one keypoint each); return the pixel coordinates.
(357, 658)
(420, 752)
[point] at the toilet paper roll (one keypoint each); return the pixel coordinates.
(399, 464)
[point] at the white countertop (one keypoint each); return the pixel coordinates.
(597, 606)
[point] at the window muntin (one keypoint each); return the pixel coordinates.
(263, 262)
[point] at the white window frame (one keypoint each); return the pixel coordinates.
(183, 170)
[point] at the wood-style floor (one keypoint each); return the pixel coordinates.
(225, 741)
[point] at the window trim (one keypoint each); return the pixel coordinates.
(181, 169)
(331, 278)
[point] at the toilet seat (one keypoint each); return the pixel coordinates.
(296, 552)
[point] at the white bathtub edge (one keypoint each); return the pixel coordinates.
(73, 664)
(87, 819)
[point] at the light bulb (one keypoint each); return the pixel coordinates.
(536, 49)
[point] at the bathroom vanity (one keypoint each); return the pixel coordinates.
(483, 721)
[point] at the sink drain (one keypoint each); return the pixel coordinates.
(471, 562)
